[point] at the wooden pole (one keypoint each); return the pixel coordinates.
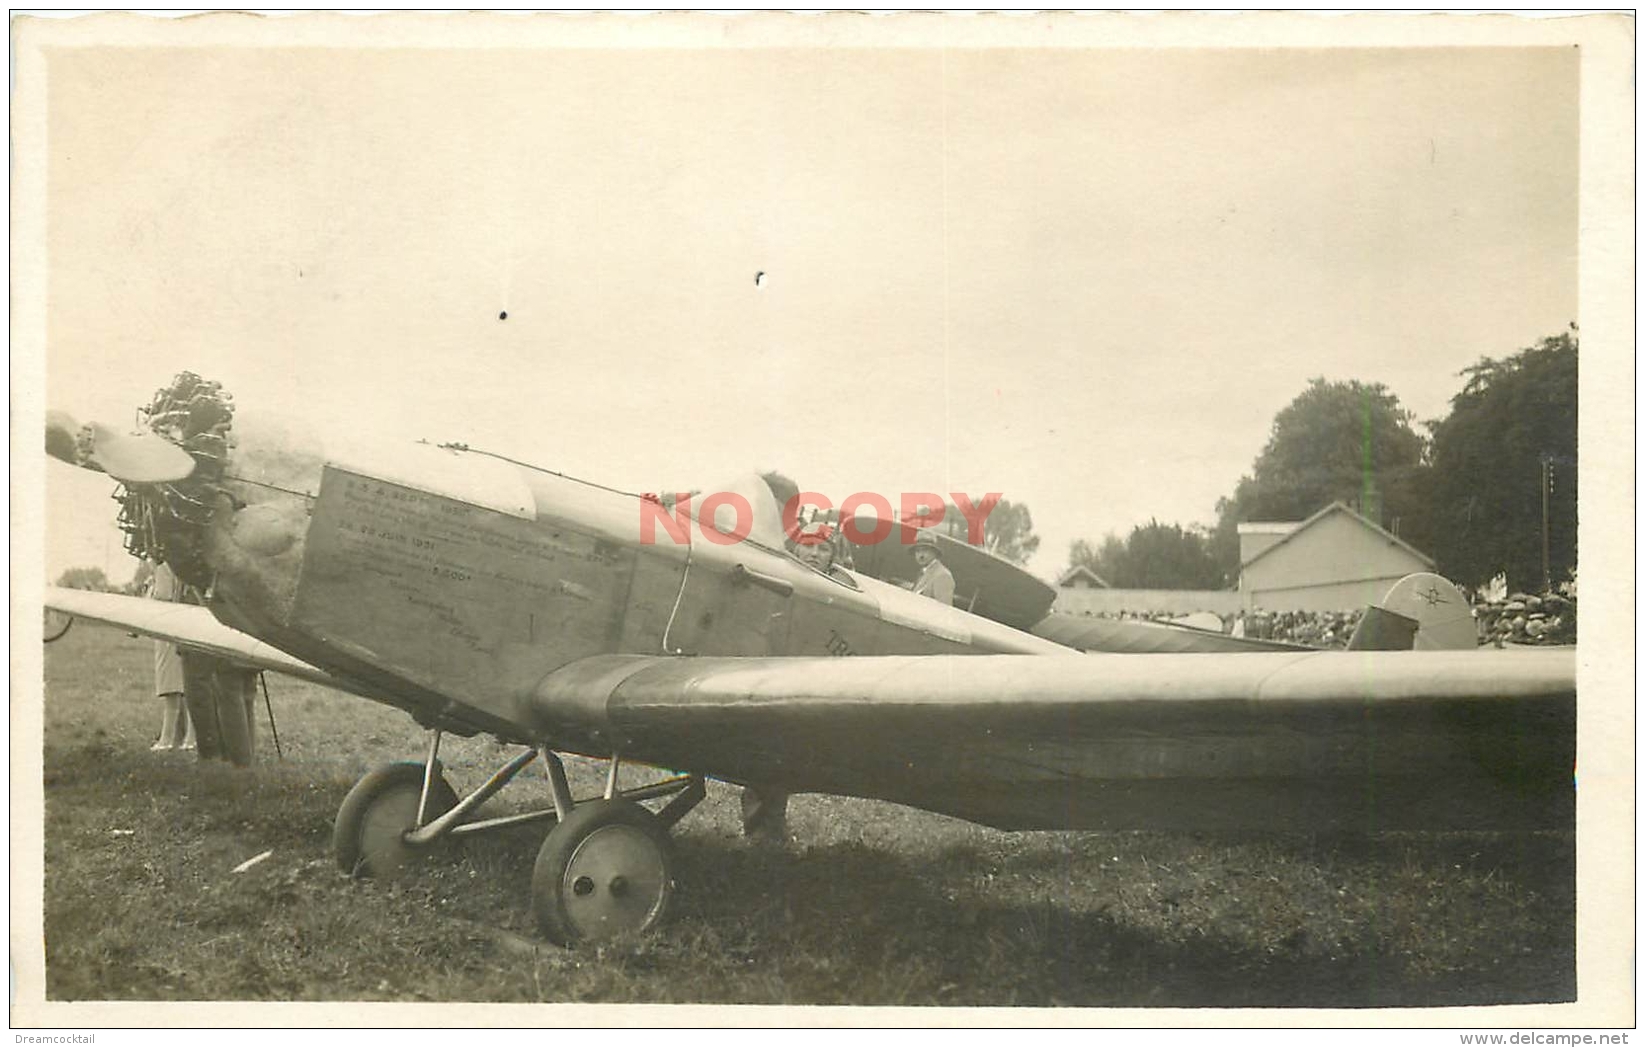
(1547, 483)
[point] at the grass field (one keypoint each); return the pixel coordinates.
(871, 904)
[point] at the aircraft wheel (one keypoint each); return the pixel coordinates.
(606, 871)
(368, 837)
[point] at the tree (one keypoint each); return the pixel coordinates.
(1007, 532)
(84, 579)
(1511, 433)
(1337, 441)
(1104, 560)
(1153, 556)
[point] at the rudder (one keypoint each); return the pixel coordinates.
(1422, 612)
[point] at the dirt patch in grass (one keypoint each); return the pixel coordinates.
(872, 904)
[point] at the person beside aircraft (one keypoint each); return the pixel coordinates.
(215, 697)
(765, 815)
(221, 696)
(935, 580)
(176, 729)
(209, 701)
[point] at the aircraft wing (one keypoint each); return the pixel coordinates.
(1319, 741)
(189, 626)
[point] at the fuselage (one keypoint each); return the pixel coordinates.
(453, 582)
(483, 595)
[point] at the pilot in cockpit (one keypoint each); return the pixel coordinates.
(812, 548)
(819, 545)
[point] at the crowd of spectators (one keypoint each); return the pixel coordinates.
(1520, 618)
(1319, 629)
(1316, 629)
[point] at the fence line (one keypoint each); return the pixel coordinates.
(1176, 602)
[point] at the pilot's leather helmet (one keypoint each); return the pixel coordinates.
(926, 540)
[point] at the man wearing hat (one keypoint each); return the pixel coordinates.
(935, 580)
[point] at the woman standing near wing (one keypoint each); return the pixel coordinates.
(176, 729)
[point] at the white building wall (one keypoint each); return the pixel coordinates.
(1252, 543)
(1343, 596)
(1338, 563)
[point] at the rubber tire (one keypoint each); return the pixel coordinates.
(362, 837)
(560, 849)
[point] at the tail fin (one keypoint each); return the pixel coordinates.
(1424, 612)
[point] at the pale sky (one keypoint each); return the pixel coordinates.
(1087, 279)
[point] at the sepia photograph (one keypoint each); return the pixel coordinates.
(1035, 515)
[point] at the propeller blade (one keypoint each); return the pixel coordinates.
(138, 458)
(61, 435)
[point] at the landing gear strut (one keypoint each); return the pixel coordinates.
(605, 870)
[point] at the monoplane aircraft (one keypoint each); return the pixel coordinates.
(484, 595)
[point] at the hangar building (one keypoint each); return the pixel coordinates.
(1335, 560)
